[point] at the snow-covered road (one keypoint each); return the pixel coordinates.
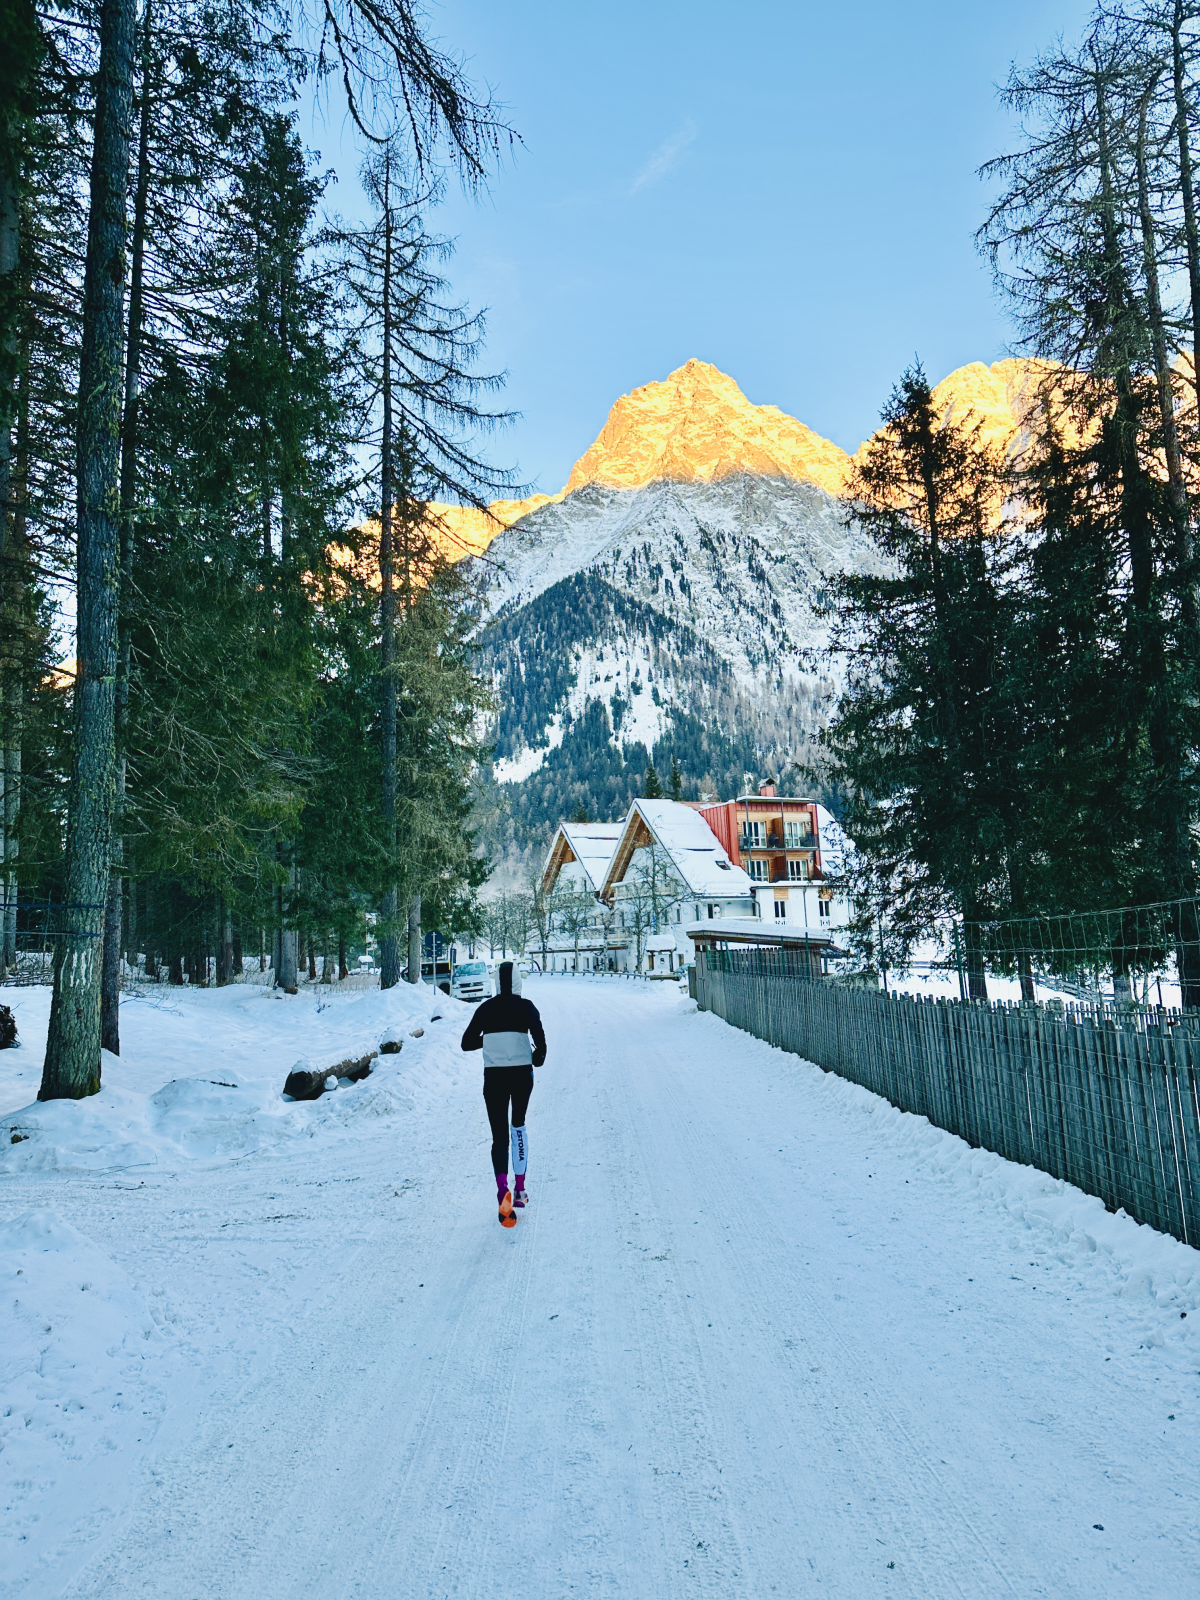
(756, 1334)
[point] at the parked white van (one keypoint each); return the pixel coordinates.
(470, 982)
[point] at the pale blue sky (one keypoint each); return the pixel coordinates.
(786, 190)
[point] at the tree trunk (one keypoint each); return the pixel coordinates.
(312, 960)
(308, 1083)
(149, 934)
(288, 944)
(239, 965)
(225, 951)
(1187, 186)
(110, 987)
(1164, 380)
(1028, 988)
(110, 978)
(287, 961)
(343, 969)
(389, 942)
(72, 1065)
(10, 254)
(414, 940)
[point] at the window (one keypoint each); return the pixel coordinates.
(758, 869)
(798, 869)
(781, 911)
(754, 835)
(798, 832)
(823, 906)
(710, 913)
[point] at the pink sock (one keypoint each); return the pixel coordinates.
(501, 1183)
(519, 1183)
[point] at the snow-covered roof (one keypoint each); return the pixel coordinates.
(590, 843)
(749, 930)
(694, 849)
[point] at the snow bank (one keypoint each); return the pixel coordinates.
(201, 1077)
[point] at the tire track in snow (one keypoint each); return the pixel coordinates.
(883, 1457)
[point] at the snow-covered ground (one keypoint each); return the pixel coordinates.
(757, 1334)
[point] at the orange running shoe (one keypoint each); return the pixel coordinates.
(507, 1220)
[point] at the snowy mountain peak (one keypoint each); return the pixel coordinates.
(697, 426)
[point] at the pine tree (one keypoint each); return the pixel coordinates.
(580, 813)
(921, 736)
(675, 784)
(652, 789)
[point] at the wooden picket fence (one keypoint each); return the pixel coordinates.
(1111, 1104)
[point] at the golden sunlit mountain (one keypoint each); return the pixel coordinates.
(697, 426)
(998, 398)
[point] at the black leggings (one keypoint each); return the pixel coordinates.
(500, 1084)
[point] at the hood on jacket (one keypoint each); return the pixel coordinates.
(510, 978)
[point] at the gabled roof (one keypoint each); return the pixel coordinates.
(696, 853)
(591, 844)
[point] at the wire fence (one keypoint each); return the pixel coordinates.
(1110, 1104)
(1120, 957)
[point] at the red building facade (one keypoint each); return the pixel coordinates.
(773, 837)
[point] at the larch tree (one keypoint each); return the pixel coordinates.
(415, 354)
(1093, 239)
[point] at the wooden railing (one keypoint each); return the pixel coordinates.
(1111, 1104)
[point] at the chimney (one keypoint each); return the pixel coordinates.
(767, 789)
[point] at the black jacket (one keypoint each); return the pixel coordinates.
(507, 1018)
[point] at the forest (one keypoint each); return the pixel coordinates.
(224, 411)
(1019, 734)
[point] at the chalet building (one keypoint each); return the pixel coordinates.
(576, 865)
(675, 876)
(667, 871)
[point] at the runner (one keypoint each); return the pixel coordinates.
(501, 1028)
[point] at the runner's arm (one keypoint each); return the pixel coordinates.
(539, 1037)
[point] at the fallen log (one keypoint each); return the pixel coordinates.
(306, 1082)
